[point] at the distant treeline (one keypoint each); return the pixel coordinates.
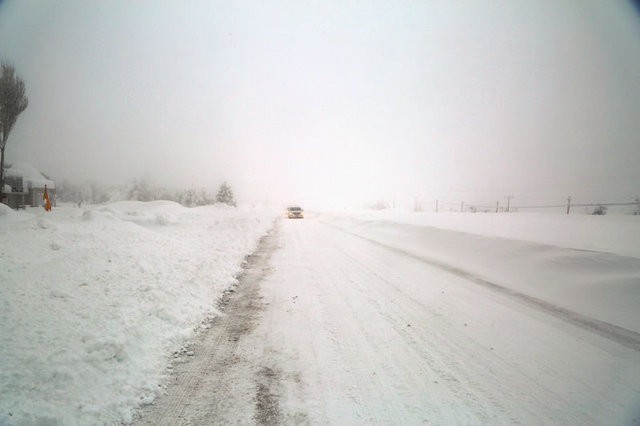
(139, 189)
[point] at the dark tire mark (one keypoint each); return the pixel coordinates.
(267, 400)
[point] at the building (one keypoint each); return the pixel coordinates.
(24, 186)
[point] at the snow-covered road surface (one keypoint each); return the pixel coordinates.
(349, 331)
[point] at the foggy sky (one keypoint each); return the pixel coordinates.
(333, 103)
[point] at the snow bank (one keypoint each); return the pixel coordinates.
(587, 264)
(95, 300)
(619, 234)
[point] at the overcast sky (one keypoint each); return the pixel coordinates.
(333, 102)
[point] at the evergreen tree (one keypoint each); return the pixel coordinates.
(225, 195)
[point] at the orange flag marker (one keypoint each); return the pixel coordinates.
(47, 201)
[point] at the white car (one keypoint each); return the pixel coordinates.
(295, 213)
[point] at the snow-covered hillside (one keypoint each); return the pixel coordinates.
(94, 301)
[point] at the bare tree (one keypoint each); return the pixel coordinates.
(13, 101)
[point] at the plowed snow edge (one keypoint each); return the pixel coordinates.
(217, 384)
(620, 335)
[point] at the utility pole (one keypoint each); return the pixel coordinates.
(461, 206)
(568, 204)
(509, 197)
(436, 206)
(497, 206)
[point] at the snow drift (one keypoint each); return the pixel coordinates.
(95, 300)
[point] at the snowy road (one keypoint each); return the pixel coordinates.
(342, 330)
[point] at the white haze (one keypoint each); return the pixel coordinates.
(333, 103)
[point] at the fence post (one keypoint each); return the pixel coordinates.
(568, 204)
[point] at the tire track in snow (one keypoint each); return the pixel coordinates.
(403, 317)
(367, 282)
(210, 387)
(620, 335)
(363, 376)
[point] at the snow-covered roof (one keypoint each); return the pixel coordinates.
(31, 177)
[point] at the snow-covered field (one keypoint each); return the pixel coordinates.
(95, 300)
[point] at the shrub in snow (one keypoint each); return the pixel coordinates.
(187, 198)
(600, 211)
(89, 192)
(162, 220)
(192, 198)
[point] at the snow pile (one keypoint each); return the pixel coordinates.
(95, 300)
(586, 264)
